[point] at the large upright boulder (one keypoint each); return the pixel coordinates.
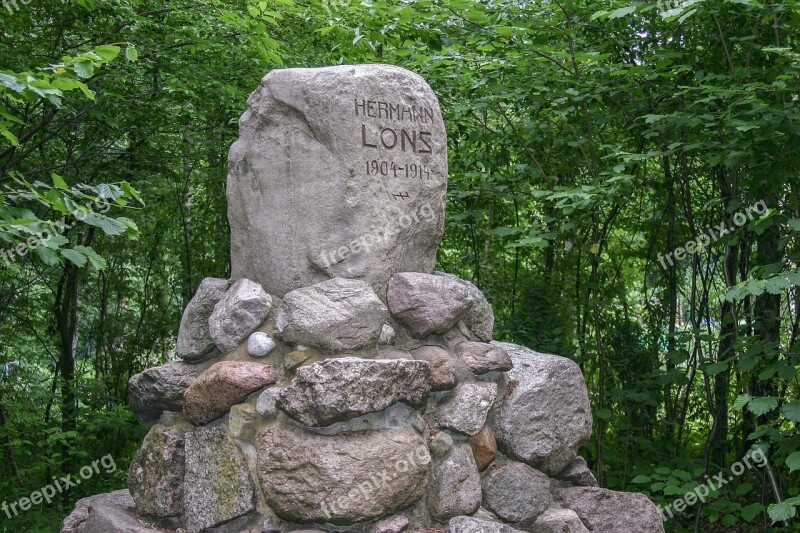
(545, 415)
(338, 172)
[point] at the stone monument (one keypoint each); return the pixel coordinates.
(338, 172)
(338, 383)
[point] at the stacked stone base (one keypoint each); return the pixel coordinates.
(336, 410)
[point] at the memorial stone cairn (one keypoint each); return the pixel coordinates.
(339, 383)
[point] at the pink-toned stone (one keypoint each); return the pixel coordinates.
(222, 386)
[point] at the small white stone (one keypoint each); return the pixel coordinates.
(260, 344)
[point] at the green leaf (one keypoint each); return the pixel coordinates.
(779, 512)
(621, 12)
(84, 68)
(791, 410)
(763, 405)
(641, 479)
(131, 54)
(715, 368)
(98, 262)
(750, 512)
(110, 226)
(741, 401)
(48, 256)
(74, 257)
(793, 462)
(59, 183)
(10, 136)
(603, 414)
(107, 51)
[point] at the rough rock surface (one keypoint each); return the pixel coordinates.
(155, 477)
(484, 447)
(545, 414)
(240, 311)
(79, 514)
(218, 485)
(427, 304)
(266, 403)
(559, 521)
(578, 473)
(455, 486)
(194, 338)
(482, 358)
(480, 318)
(465, 408)
(161, 388)
(341, 479)
(224, 385)
(516, 492)
(387, 336)
(398, 524)
(243, 422)
(339, 389)
(337, 315)
(259, 344)
(468, 524)
(441, 444)
(105, 518)
(608, 510)
(301, 183)
(444, 366)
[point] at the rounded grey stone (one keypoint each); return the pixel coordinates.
(545, 415)
(516, 492)
(455, 487)
(441, 444)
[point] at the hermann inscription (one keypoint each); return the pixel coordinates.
(326, 157)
